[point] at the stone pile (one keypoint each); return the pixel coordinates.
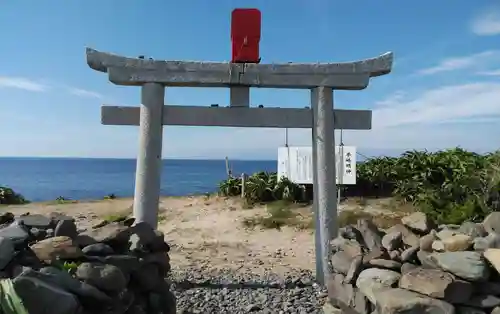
(417, 267)
(113, 267)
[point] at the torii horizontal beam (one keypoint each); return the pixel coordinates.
(238, 117)
(341, 76)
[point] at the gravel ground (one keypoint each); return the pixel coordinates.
(224, 291)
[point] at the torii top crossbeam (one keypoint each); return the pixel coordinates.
(136, 72)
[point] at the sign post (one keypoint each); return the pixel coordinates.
(321, 78)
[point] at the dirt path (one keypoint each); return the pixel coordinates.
(208, 232)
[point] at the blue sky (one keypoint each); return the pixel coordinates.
(444, 90)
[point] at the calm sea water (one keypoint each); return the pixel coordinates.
(45, 179)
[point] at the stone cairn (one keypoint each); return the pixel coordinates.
(417, 267)
(112, 267)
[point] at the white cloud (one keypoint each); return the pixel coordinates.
(85, 93)
(461, 63)
(464, 115)
(487, 23)
(22, 83)
(490, 73)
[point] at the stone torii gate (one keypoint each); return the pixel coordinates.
(321, 78)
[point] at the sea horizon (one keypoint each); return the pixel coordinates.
(41, 179)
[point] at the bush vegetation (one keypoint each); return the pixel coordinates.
(451, 186)
(9, 197)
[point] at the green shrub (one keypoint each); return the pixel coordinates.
(451, 186)
(9, 197)
(262, 187)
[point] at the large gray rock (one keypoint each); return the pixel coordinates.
(491, 241)
(467, 265)
(419, 222)
(105, 277)
(468, 310)
(56, 248)
(492, 223)
(409, 238)
(346, 296)
(472, 229)
(341, 262)
(6, 251)
(392, 241)
(53, 276)
(16, 232)
(36, 221)
(372, 237)
(40, 297)
(436, 284)
(374, 278)
(401, 301)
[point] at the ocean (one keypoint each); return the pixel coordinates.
(45, 179)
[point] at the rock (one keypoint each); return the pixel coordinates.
(468, 310)
(492, 241)
(493, 257)
(483, 301)
(380, 253)
(16, 232)
(113, 234)
(409, 254)
(98, 249)
(126, 263)
(485, 288)
(427, 240)
(409, 238)
(496, 310)
(341, 262)
(159, 244)
(371, 236)
(346, 296)
(472, 229)
(406, 267)
(392, 241)
(105, 277)
(491, 223)
(6, 218)
(42, 298)
(425, 260)
(7, 252)
(436, 284)
(438, 246)
(351, 247)
(373, 278)
(38, 234)
(458, 242)
(147, 277)
(418, 222)
(384, 263)
(401, 301)
(351, 233)
(395, 255)
(66, 228)
(142, 235)
(88, 294)
(446, 233)
(354, 269)
(328, 308)
(467, 265)
(36, 221)
(56, 247)
(56, 217)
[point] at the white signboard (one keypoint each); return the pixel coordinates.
(295, 163)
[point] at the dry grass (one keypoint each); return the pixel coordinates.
(280, 214)
(383, 221)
